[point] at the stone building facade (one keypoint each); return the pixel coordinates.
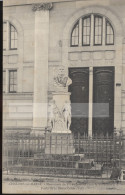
(47, 44)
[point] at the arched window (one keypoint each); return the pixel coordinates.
(75, 35)
(92, 29)
(10, 37)
(109, 33)
(13, 37)
(97, 30)
(86, 30)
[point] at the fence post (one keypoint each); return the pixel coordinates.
(89, 147)
(50, 143)
(123, 150)
(114, 146)
(7, 156)
(61, 145)
(107, 153)
(68, 143)
(56, 144)
(96, 141)
(29, 152)
(78, 142)
(120, 148)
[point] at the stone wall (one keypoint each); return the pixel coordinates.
(17, 111)
(23, 18)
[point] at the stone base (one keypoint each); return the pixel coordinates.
(59, 143)
(62, 132)
(37, 131)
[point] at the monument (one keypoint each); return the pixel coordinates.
(59, 140)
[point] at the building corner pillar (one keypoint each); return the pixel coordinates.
(40, 98)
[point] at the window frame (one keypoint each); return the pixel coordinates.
(14, 70)
(77, 23)
(98, 16)
(88, 16)
(101, 34)
(8, 36)
(10, 40)
(106, 21)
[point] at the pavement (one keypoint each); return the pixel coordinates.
(15, 184)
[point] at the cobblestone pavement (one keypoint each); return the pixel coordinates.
(20, 184)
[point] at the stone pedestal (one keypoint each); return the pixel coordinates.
(59, 143)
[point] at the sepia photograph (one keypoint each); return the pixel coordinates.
(63, 124)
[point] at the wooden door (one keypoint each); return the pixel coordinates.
(103, 100)
(79, 99)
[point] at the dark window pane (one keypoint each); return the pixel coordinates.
(97, 30)
(15, 87)
(11, 88)
(86, 30)
(12, 44)
(11, 74)
(109, 34)
(75, 35)
(15, 43)
(12, 80)
(13, 37)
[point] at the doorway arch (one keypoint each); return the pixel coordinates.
(93, 56)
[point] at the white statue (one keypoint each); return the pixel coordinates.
(53, 113)
(66, 111)
(69, 81)
(55, 118)
(59, 120)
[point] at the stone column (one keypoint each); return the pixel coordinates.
(40, 99)
(90, 101)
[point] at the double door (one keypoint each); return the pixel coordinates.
(103, 100)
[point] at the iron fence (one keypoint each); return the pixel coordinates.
(61, 156)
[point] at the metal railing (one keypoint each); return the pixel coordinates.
(67, 156)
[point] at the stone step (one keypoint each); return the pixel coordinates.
(49, 163)
(55, 171)
(74, 157)
(60, 150)
(85, 164)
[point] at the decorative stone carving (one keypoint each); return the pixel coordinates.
(59, 120)
(53, 114)
(60, 78)
(42, 6)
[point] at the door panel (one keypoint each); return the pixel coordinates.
(103, 100)
(79, 99)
